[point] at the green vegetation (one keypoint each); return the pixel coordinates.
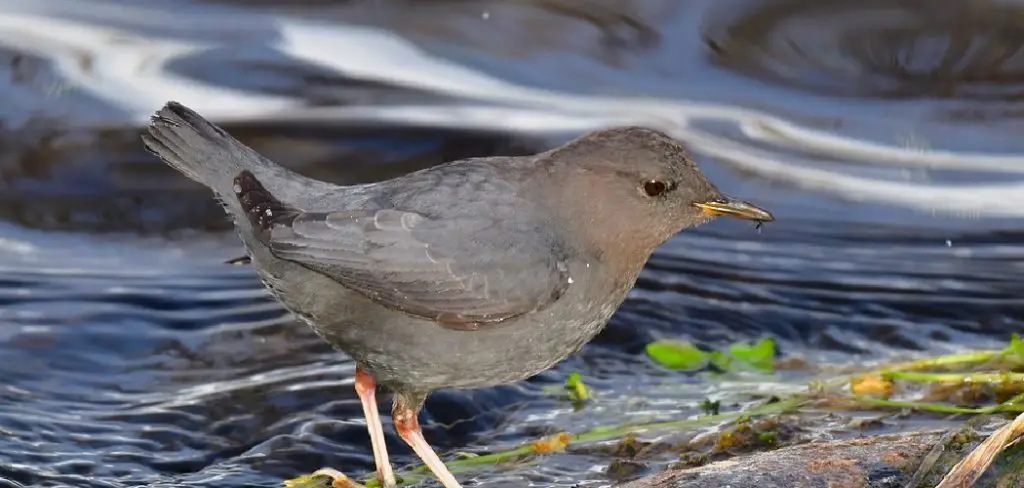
(683, 356)
(578, 391)
(975, 383)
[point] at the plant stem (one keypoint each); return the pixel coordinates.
(935, 407)
(978, 357)
(919, 377)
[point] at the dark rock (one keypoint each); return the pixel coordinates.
(885, 461)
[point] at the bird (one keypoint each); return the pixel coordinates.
(469, 274)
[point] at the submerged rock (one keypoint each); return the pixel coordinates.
(883, 461)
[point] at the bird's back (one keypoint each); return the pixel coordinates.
(417, 277)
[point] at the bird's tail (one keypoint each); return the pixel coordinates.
(205, 153)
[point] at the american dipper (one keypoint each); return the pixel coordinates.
(470, 274)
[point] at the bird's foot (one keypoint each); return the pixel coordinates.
(323, 478)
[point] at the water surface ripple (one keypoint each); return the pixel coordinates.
(883, 135)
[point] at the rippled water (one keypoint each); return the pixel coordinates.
(884, 135)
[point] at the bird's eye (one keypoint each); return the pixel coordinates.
(654, 188)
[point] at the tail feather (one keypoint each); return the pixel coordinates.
(207, 154)
(202, 151)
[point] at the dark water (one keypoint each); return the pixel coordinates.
(884, 135)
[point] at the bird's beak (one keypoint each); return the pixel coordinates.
(731, 207)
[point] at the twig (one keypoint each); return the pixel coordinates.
(930, 459)
(972, 466)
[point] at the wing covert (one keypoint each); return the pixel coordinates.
(463, 272)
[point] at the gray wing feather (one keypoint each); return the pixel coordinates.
(463, 272)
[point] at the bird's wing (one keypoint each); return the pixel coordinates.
(430, 268)
(463, 272)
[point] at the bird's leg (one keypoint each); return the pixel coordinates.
(366, 388)
(405, 414)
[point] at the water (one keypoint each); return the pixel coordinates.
(883, 135)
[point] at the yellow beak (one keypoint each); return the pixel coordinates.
(731, 207)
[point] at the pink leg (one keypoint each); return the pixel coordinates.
(408, 426)
(366, 388)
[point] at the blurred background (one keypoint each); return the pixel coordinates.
(885, 136)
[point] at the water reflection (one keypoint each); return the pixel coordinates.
(132, 356)
(878, 49)
(60, 179)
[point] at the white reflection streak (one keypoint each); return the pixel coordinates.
(129, 72)
(426, 73)
(124, 69)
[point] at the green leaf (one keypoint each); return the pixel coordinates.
(760, 355)
(722, 361)
(1016, 347)
(747, 357)
(574, 379)
(678, 355)
(578, 390)
(681, 355)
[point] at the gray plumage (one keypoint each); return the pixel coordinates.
(470, 274)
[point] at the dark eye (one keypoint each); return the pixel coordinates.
(654, 188)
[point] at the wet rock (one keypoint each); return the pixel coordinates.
(625, 469)
(918, 459)
(885, 461)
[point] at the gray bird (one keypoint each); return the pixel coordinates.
(470, 274)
